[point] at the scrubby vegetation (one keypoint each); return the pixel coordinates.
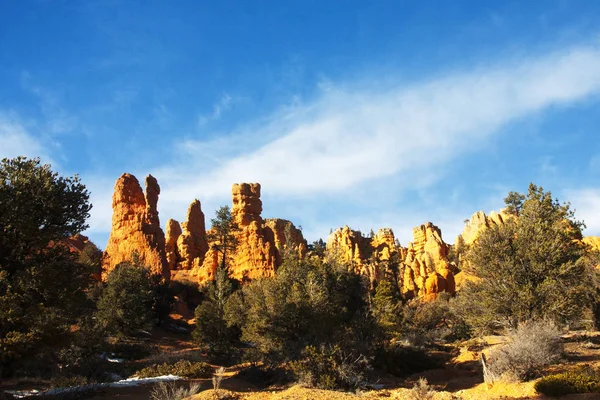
(531, 346)
(317, 319)
(533, 266)
(183, 368)
(173, 391)
(581, 380)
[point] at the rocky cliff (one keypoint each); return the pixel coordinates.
(136, 227)
(420, 270)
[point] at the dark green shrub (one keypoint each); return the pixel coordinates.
(539, 259)
(183, 368)
(331, 368)
(402, 361)
(125, 305)
(307, 303)
(582, 380)
(263, 376)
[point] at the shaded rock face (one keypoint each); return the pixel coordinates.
(77, 243)
(172, 235)
(136, 227)
(286, 236)
(420, 270)
(192, 244)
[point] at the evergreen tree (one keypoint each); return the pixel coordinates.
(529, 268)
(386, 309)
(222, 234)
(42, 286)
(212, 329)
(125, 304)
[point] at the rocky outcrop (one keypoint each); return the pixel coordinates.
(247, 205)
(260, 244)
(593, 242)
(384, 244)
(192, 244)
(480, 222)
(427, 258)
(351, 247)
(420, 270)
(171, 237)
(185, 253)
(77, 243)
(136, 227)
(286, 236)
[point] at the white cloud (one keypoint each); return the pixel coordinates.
(348, 137)
(586, 202)
(15, 140)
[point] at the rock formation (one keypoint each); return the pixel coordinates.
(593, 242)
(286, 236)
(351, 247)
(247, 205)
(422, 269)
(77, 243)
(172, 235)
(427, 258)
(136, 227)
(192, 244)
(261, 243)
(478, 223)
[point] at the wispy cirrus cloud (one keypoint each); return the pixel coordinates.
(222, 105)
(350, 138)
(57, 119)
(16, 140)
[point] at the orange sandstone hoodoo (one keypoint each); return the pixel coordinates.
(136, 227)
(185, 253)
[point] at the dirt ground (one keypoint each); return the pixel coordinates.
(461, 378)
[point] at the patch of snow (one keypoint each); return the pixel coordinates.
(129, 382)
(111, 358)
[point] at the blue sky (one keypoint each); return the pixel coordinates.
(370, 114)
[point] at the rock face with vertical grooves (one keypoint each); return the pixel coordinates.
(480, 222)
(261, 244)
(136, 227)
(191, 244)
(287, 238)
(420, 270)
(171, 237)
